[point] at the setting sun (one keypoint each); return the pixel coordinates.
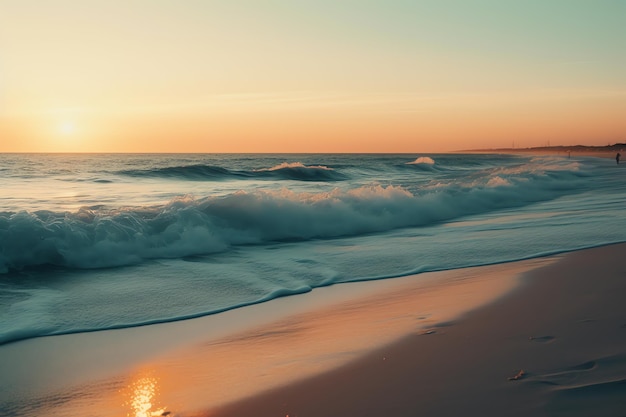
(318, 77)
(67, 128)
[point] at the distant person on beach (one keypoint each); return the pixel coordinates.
(617, 157)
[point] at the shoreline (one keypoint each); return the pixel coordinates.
(403, 346)
(574, 153)
(285, 340)
(608, 151)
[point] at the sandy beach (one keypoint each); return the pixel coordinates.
(554, 347)
(553, 343)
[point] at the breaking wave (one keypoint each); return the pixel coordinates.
(198, 172)
(98, 237)
(422, 160)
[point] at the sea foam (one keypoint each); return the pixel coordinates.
(100, 237)
(422, 160)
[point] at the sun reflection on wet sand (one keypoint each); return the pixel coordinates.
(198, 378)
(201, 378)
(143, 401)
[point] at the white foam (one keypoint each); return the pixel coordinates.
(423, 160)
(288, 165)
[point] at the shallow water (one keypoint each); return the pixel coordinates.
(90, 242)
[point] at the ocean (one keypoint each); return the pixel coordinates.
(102, 241)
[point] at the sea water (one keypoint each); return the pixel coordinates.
(100, 241)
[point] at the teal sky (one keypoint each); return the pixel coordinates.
(360, 74)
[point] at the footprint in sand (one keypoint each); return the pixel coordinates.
(592, 388)
(565, 376)
(541, 339)
(437, 328)
(447, 323)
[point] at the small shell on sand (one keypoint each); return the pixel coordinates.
(521, 374)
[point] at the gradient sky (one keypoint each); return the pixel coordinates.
(310, 76)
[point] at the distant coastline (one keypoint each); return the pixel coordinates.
(579, 150)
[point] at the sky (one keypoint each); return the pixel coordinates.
(310, 75)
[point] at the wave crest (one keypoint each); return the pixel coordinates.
(99, 237)
(422, 160)
(301, 172)
(284, 171)
(287, 165)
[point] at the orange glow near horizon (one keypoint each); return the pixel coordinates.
(321, 77)
(455, 125)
